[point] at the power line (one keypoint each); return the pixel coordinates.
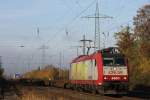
(43, 48)
(97, 26)
(74, 19)
(118, 26)
(77, 2)
(66, 4)
(77, 49)
(84, 44)
(122, 8)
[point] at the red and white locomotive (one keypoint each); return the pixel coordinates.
(105, 71)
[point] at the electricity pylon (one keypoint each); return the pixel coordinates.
(43, 48)
(97, 17)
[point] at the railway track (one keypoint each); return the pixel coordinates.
(23, 91)
(67, 94)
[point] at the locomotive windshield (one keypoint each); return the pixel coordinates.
(113, 61)
(119, 61)
(108, 61)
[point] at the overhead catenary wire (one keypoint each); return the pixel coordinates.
(78, 4)
(121, 9)
(66, 4)
(71, 22)
(118, 26)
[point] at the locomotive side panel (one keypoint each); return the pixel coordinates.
(84, 70)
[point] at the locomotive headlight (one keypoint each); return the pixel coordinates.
(99, 83)
(115, 68)
(105, 78)
(125, 78)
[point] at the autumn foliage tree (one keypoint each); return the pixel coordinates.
(1, 70)
(50, 72)
(142, 34)
(125, 40)
(142, 30)
(127, 45)
(136, 47)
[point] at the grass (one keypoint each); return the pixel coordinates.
(30, 94)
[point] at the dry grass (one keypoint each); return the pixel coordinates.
(31, 94)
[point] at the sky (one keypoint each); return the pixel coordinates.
(61, 26)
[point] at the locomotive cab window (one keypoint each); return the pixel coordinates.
(119, 61)
(108, 61)
(113, 61)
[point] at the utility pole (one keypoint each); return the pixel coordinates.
(60, 59)
(97, 26)
(43, 48)
(77, 49)
(104, 39)
(60, 64)
(38, 32)
(84, 44)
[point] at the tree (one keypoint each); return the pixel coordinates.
(142, 30)
(127, 45)
(125, 40)
(142, 33)
(1, 69)
(136, 47)
(1, 72)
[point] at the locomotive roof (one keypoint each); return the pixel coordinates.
(83, 57)
(113, 55)
(107, 52)
(111, 52)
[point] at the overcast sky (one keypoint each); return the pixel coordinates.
(19, 20)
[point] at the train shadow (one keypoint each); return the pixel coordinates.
(140, 91)
(140, 95)
(114, 95)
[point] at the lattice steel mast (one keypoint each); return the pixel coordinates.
(97, 35)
